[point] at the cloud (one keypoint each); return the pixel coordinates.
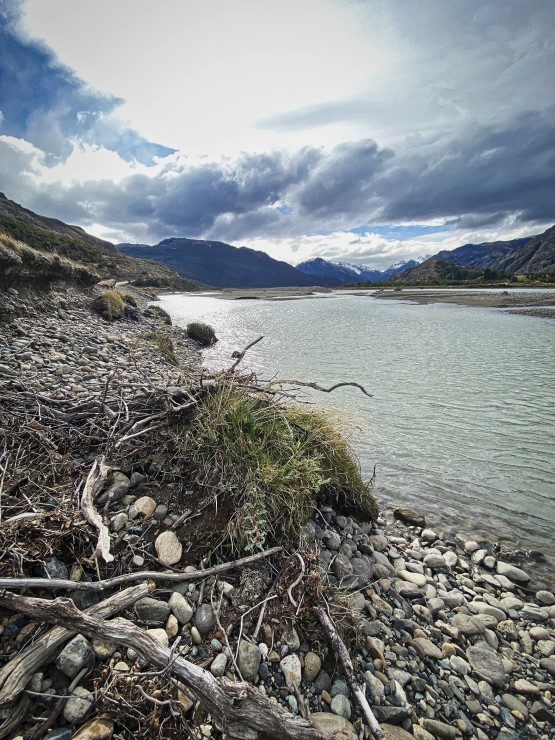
(46, 104)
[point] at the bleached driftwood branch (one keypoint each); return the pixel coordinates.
(95, 479)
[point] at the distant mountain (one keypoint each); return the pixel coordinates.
(529, 255)
(224, 266)
(487, 254)
(55, 237)
(349, 273)
(537, 256)
(435, 272)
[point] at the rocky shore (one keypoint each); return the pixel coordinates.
(446, 639)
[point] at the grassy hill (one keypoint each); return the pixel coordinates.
(441, 272)
(48, 235)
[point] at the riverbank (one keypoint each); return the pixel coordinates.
(540, 303)
(451, 640)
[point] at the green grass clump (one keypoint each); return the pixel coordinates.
(202, 333)
(270, 464)
(164, 344)
(110, 305)
(157, 311)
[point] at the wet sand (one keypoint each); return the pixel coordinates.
(529, 304)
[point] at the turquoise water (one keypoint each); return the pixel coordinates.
(462, 421)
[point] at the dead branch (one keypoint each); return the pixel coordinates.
(108, 583)
(15, 675)
(321, 388)
(230, 704)
(95, 479)
(240, 355)
(348, 670)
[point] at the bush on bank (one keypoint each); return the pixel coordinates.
(201, 333)
(270, 464)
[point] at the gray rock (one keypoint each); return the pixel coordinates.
(219, 665)
(459, 665)
(205, 619)
(487, 665)
(428, 535)
(375, 687)
(55, 568)
(546, 598)
(341, 566)
(180, 608)
(513, 573)
(439, 729)
(248, 660)
(312, 666)
(468, 626)
(425, 648)
(340, 705)
(522, 686)
(481, 608)
(533, 613)
(548, 664)
(76, 655)
(362, 567)
(434, 561)
(332, 540)
(515, 705)
(409, 516)
(78, 706)
(333, 726)
(151, 610)
(291, 669)
(391, 715)
(379, 542)
(339, 687)
(322, 682)
(291, 638)
(542, 713)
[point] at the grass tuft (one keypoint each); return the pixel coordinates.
(270, 464)
(110, 305)
(160, 313)
(164, 344)
(202, 333)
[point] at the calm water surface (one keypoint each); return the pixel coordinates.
(462, 421)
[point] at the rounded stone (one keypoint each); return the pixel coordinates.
(180, 607)
(487, 665)
(340, 705)
(333, 726)
(248, 660)
(100, 728)
(434, 561)
(205, 619)
(545, 598)
(312, 666)
(291, 669)
(76, 655)
(145, 507)
(513, 573)
(78, 706)
(409, 516)
(159, 635)
(219, 665)
(168, 548)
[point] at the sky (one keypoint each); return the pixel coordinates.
(364, 131)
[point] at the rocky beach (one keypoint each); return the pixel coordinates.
(446, 636)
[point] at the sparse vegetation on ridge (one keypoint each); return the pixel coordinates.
(110, 305)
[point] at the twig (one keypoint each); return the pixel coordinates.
(321, 388)
(216, 610)
(260, 603)
(347, 665)
(107, 583)
(241, 354)
(296, 581)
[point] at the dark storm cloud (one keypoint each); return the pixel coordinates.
(471, 180)
(488, 171)
(46, 104)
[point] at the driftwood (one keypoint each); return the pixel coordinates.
(320, 387)
(241, 354)
(15, 675)
(348, 670)
(95, 479)
(53, 584)
(17, 715)
(239, 709)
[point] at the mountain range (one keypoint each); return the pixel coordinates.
(349, 273)
(224, 266)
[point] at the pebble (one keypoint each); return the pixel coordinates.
(340, 705)
(219, 665)
(312, 666)
(205, 619)
(78, 706)
(76, 655)
(248, 660)
(291, 669)
(168, 548)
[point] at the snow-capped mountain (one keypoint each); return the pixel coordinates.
(350, 273)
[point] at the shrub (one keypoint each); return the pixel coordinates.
(157, 311)
(201, 333)
(270, 464)
(129, 299)
(110, 305)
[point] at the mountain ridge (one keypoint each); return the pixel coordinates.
(350, 273)
(223, 265)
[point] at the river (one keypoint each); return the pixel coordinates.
(461, 425)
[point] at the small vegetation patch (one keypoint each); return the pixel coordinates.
(269, 464)
(110, 305)
(164, 344)
(157, 311)
(202, 333)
